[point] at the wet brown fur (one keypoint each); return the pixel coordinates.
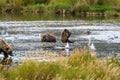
(65, 36)
(5, 48)
(47, 37)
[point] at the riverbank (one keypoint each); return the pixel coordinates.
(60, 7)
(80, 65)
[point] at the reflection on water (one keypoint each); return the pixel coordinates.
(25, 35)
(33, 17)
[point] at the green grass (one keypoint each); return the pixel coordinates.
(80, 65)
(99, 8)
(2, 3)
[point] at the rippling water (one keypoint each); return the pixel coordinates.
(25, 35)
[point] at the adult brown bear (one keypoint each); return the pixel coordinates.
(65, 36)
(5, 48)
(47, 37)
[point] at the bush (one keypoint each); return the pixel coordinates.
(112, 13)
(42, 1)
(62, 5)
(36, 8)
(59, 6)
(100, 8)
(28, 2)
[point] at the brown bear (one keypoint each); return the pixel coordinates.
(88, 32)
(65, 36)
(5, 48)
(47, 37)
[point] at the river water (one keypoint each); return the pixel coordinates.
(25, 35)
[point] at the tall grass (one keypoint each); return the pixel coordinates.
(32, 70)
(75, 7)
(79, 66)
(28, 2)
(42, 1)
(36, 9)
(2, 3)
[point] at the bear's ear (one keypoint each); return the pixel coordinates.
(65, 29)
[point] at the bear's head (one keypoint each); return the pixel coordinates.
(5, 48)
(65, 35)
(43, 38)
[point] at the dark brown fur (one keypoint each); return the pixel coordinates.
(47, 37)
(65, 36)
(5, 48)
(88, 32)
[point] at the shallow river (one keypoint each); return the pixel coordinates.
(25, 35)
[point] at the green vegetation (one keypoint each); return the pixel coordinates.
(74, 7)
(79, 66)
(101, 8)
